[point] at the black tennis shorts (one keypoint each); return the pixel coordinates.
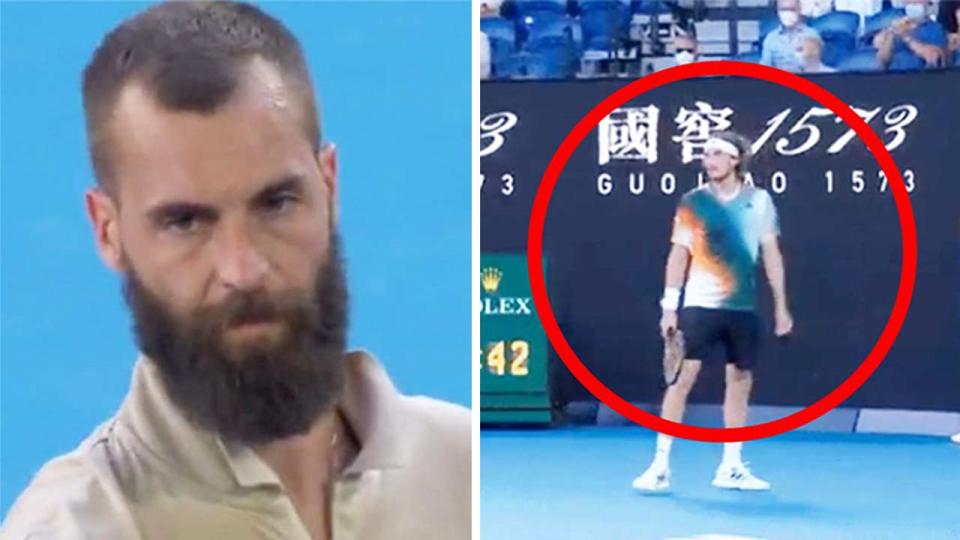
(737, 331)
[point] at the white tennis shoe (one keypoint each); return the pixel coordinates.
(655, 479)
(738, 476)
(956, 438)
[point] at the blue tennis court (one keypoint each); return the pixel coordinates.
(574, 483)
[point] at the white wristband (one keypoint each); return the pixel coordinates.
(671, 299)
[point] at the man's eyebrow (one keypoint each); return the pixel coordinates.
(174, 209)
(290, 182)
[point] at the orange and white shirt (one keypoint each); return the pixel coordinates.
(723, 237)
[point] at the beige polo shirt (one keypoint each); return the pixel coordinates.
(149, 474)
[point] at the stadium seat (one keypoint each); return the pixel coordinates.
(879, 21)
(513, 67)
(500, 28)
(752, 57)
(864, 59)
(555, 28)
(650, 7)
(839, 32)
(503, 41)
(836, 22)
(500, 52)
(530, 7)
(551, 62)
(604, 23)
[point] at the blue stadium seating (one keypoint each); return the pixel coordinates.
(604, 23)
(512, 67)
(839, 32)
(650, 7)
(530, 7)
(554, 61)
(499, 27)
(752, 56)
(547, 61)
(836, 22)
(555, 28)
(500, 52)
(863, 59)
(503, 41)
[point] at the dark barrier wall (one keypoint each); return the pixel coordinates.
(608, 226)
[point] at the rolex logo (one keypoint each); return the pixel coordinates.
(490, 279)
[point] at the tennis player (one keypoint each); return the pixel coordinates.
(719, 231)
(247, 418)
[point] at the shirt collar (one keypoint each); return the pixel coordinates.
(371, 405)
(799, 27)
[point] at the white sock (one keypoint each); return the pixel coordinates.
(731, 453)
(662, 458)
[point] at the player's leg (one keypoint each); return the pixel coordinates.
(699, 329)
(741, 337)
(657, 475)
(736, 399)
(675, 403)
(675, 398)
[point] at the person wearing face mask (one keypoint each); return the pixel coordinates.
(685, 49)
(913, 42)
(781, 48)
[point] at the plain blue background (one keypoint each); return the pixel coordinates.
(393, 80)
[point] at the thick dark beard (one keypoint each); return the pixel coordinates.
(268, 391)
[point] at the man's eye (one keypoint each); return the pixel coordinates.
(182, 223)
(279, 203)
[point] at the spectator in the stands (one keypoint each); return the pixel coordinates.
(685, 49)
(912, 42)
(811, 56)
(490, 8)
(781, 48)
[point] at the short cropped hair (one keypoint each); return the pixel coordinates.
(189, 57)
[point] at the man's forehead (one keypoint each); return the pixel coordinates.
(260, 87)
(253, 137)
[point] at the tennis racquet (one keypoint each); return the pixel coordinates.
(673, 353)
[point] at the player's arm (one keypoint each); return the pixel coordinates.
(681, 241)
(776, 274)
(676, 271)
(774, 267)
(677, 262)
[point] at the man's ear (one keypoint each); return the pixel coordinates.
(104, 216)
(327, 161)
